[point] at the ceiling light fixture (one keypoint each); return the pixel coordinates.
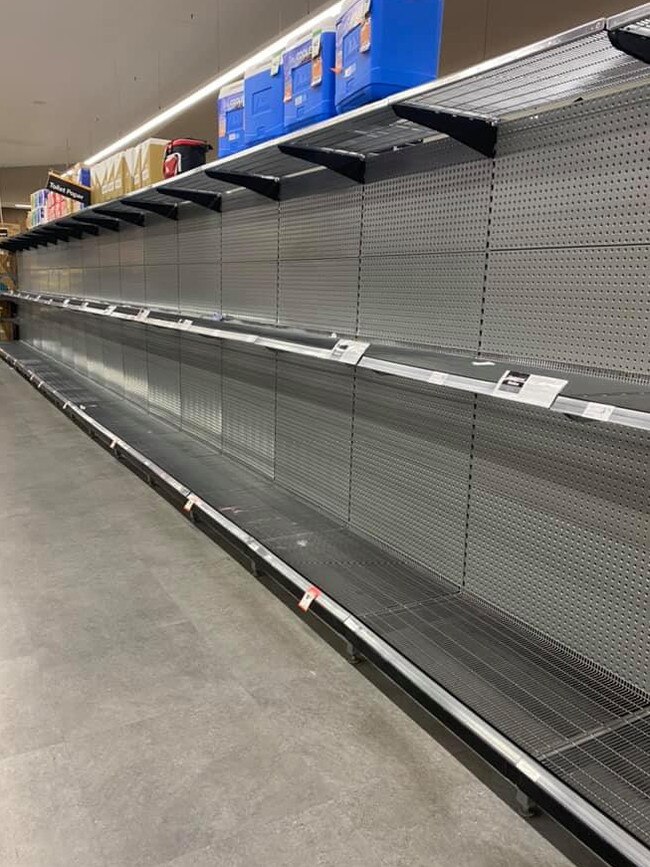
(215, 85)
(23, 207)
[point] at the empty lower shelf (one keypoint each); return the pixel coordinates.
(586, 727)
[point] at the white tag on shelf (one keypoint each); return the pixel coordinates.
(438, 378)
(192, 500)
(310, 595)
(598, 411)
(66, 302)
(112, 445)
(529, 388)
(184, 324)
(142, 315)
(349, 351)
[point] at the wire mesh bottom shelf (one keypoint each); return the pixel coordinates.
(586, 726)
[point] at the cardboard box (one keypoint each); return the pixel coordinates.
(151, 156)
(97, 183)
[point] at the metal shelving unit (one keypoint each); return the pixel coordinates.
(598, 57)
(543, 710)
(585, 397)
(436, 486)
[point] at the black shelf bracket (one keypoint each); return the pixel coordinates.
(170, 212)
(631, 42)
(211, 201)
(127, 217)
(54, 234)
(264, 185)
(101, 222)
(476, 133)
(347, 163)
(72, 230)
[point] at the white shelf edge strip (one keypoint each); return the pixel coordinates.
(352, 353)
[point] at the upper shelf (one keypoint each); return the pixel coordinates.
(604, 55)
(579, 396)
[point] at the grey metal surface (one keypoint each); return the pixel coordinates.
(132, 283)
(539, 695)
(163, 373)
(319, 293)
(313, 432)
(136, 384)
(110, 284)
(558, 532)
(410, 470)
(199, 287)
(199, 235)
(161, 285)
(574, 177)
(250, 289)
(249, 407)
(131, 245)
(113, 355)
(249, 228)
(419, 298)
(160, 241)
(200, 388)
(585, 307)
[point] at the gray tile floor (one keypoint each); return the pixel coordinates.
(158, 706)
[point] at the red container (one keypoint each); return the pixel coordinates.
(183, 154)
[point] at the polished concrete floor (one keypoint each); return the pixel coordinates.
(159, 706)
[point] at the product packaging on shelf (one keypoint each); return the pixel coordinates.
(384, 46)
(309, 80)
(263, 103)
(230, 116)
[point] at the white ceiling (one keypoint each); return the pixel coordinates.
(75, 75)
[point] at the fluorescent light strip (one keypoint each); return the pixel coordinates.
(216, 84)
(22, 207)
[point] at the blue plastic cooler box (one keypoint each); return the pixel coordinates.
(309, 80)
(230, 112)
(263, 105)
(384, 46)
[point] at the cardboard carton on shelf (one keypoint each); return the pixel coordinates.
(151, 157)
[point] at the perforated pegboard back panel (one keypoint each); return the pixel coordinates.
(423, 249)
(250, 289)
(90, 252)
(249, 407)
(161, 285)
(442, 210)
(132, 284)
(558, 531)
(199, 287)
(319, 293)
(160, 241)
(200, 384)
(321, 226)
(163, 372)
(109, 249)
(136, 383)
(131, 245)
(575, 177)
(199, 235)
(410, 470)
(94, 348)
(110, 286)
(113, 356)
(584, 307)
(568, 264)
(314, 428)
(249, 228)
(428, 299)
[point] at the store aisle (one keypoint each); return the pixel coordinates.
(159, 706)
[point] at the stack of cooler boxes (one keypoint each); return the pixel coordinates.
(375, 48)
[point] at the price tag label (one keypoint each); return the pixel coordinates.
(184, 324)
(349, 351)
(191, 502)
(529, 388)
(598, 411)
(309, 597)
(142, 315)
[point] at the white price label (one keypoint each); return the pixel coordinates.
(598, 411)
(191, 502)
(142, 315)
(184, 324)
(309, 597)
(529, 388)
